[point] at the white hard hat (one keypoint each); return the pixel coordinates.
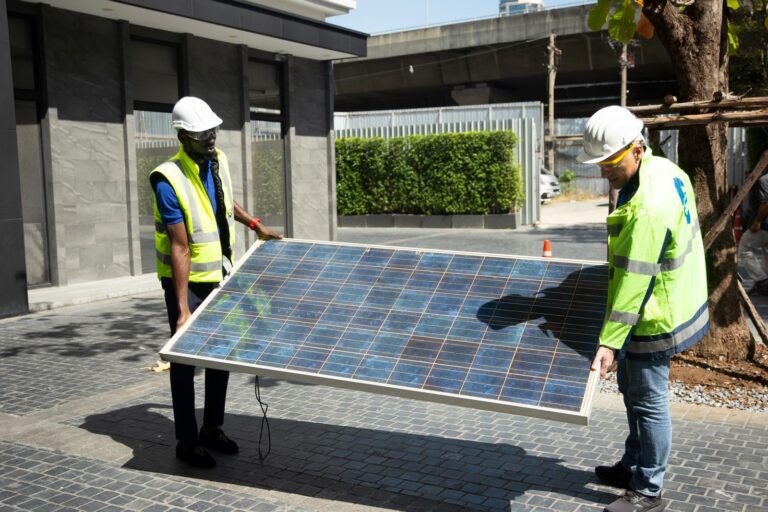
(609, 130)
(193, 115)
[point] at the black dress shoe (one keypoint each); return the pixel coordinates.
(633, 501)
(215, 439)
(194, 455)
(616, 475)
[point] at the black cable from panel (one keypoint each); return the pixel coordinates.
(264, 421)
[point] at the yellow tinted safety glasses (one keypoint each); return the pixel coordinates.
(615, 161)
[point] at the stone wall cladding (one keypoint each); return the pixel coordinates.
(87, 144)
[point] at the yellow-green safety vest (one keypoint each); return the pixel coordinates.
(657, 280)
(199, 218)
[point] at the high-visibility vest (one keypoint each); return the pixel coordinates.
(657, 288)
(199, 218)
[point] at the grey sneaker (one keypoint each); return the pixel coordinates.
(635, 502)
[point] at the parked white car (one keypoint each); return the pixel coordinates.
(549, 186)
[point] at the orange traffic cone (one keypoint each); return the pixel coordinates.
(738, 228)
(547, 251)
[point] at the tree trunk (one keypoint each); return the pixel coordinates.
(696, 41)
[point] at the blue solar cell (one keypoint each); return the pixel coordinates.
(277, 354)
(457, 353)
(337, 315)
(375, 368)
(433, 326)
(281, 267)
(308, 311)
(435, 262)
(401, 322)
(529, 269)
(404, 260)
(247, 351)
(409, 300)
(446, 379)
(455, 284)
(496, 267)
(493, 358)
(294, 332)
(390, 345)
(341, 364)
(424, 281)
(322, 292)
(352, 294)
(376, 257)
(445, 304)
(309, 359)
(421, 349)
(307, 270)
(408, 373)
(323, 336)
(218, 347)
(381, 298)
(321, 252)
(336, 273)
(465, 265)
(519, 331)
(369, 318)
(295, 251)
(190, 343)
(488, 287)
(356, 340)
(483, 384)
(364, 275)
(394, 278)
(295, 288)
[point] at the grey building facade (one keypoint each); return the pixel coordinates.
(85, 114)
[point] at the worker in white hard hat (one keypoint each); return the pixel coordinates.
(195, 215)
(657, 296)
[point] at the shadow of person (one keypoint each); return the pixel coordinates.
(568, 311)
(361, 466)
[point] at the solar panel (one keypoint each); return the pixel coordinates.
(494, 332)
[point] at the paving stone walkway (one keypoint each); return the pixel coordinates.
(84, 425)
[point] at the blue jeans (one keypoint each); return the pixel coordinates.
(645, 385)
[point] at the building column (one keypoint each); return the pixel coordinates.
(13, 271)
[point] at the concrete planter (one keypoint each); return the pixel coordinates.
(397, 220)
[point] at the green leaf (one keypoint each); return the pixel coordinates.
(733, 4)
(733, 39)
(621, 25)
(598, 14)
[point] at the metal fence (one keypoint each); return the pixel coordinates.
(588, 179)
(523, 119)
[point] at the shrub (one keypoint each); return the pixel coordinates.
(455, 173)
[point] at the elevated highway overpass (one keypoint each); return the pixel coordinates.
(501, 59)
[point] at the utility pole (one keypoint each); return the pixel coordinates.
(553, 51)
(624, 63)
(613, 194)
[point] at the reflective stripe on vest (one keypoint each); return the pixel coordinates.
(669, 341)
(651, 269)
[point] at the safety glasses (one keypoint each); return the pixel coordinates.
(204, 135)
(610, 164)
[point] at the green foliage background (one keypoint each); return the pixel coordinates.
(454, 173)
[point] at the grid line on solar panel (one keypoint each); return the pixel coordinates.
(409, 318)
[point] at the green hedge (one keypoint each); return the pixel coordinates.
(454, 173)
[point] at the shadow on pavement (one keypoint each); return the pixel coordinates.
(126, 334)
(356, 465)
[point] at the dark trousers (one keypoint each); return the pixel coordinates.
(182, 375)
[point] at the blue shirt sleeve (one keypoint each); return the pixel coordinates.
(167, 202)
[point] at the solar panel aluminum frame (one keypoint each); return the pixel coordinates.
(579, 418)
